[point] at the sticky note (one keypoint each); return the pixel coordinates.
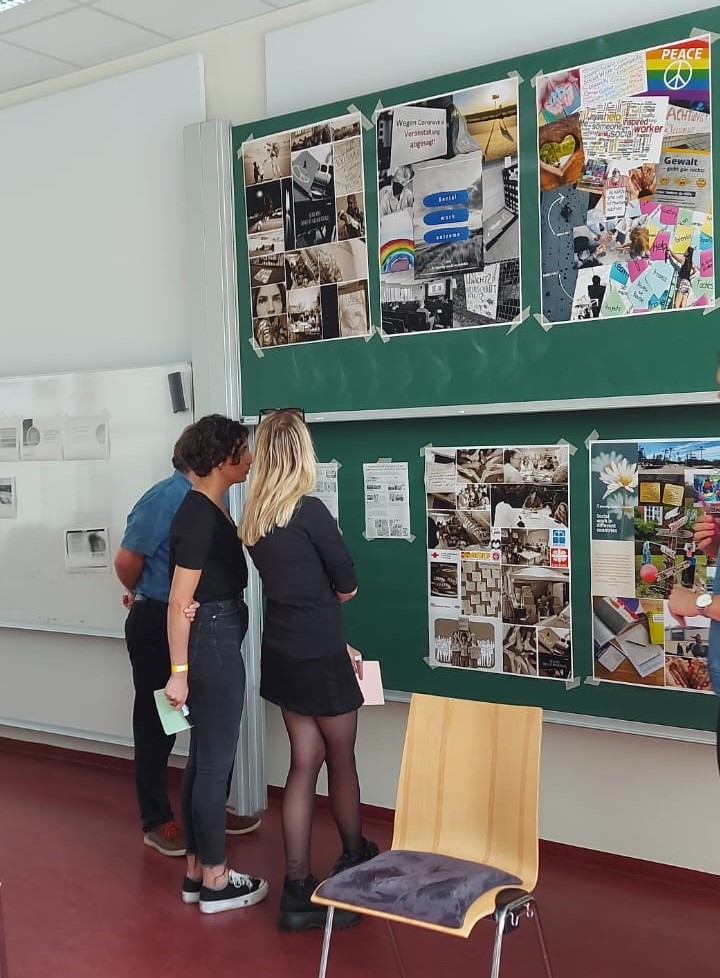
(661, 242)
(681, 238)
(707, 226)
(706, 241)
(613, 305)
(636, 267)
(669, 215)
(648, 206)
(707, 263)
(702, 300)
(619, 273)
(685, 218)
(639, 293)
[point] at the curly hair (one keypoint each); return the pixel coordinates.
(209, 442)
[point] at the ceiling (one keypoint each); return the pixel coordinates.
(42, 39)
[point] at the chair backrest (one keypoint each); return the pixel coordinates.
(469, 783)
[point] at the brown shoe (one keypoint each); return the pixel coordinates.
(167, 839)
(240, 824)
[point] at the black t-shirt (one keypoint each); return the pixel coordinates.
(302, 565)
(202, 538)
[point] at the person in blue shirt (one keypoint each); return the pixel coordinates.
(142, 565)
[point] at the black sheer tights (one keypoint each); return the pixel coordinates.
(314, 740)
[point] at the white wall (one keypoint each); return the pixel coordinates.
(391, 42)
(652, 799)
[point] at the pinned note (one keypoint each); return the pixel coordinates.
(707, 263)
(669, 215)
(636, 267)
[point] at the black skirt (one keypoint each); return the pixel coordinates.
(324, 687)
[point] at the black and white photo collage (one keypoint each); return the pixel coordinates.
(499, 559)
(305, 207)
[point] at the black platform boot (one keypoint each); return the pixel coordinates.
(298, 913)
(353, 857)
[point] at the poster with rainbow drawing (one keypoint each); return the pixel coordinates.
(448, 210)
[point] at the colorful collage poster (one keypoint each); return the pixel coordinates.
(449, 210)
(625, 173)
(645, 497)
(305, 207)
(499, 559)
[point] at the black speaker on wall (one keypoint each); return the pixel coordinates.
(177, 395)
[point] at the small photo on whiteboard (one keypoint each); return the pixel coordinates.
(8, 498)
(87, 549)
(86, 438)
(9, 440)
(41, 440)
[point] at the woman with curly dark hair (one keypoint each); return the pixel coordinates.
(208, 566)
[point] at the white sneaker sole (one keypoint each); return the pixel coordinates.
(235, 903)
(190, 897)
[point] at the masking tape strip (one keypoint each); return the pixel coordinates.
(334, 461)
(246, 140)
(570, 447)
(354, 110)
(429, 662)
(383, 461)
(593, 436)
(533, 80)
(423, 450)
(591, 681)
(572, 683)
(519, 319)
(708, 309)
(697, 32)
(545, 323)
(410, 538)
(377, 110)
(256, 347)
(382, 334)
(370, 334)
(516, 74)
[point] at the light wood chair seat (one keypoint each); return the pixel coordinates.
(465, 839)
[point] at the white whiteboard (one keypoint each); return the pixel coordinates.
(92, 226)
(37, 590)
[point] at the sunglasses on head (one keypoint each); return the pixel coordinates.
(268, 412)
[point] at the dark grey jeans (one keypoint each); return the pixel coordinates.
(216, 682)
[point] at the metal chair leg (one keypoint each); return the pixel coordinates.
(533, 912)
(396, 949)
(497, 947)
(326, 941)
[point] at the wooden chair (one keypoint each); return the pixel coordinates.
(4, 973)
(465, 839)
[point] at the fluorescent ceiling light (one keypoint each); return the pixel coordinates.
(8, 4)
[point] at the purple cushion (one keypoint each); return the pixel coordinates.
(424, 886)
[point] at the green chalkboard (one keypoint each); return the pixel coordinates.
(388, 619)
(592, 359)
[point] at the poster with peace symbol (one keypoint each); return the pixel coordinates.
(305, 209)
(499, 559)
(625, 179)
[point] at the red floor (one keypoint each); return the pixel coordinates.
(83, 898)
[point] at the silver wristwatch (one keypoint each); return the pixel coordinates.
(703, 602)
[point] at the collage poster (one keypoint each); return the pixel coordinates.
(499, 559)
(449, 210)
(305, 207)
(645, 497)
(625, 175)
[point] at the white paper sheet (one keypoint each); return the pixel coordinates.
(387, 500)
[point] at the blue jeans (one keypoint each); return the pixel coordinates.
(216, 690)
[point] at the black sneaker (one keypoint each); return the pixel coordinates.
(298, 913)
(190, 892)
(240, 891)
(353, 857)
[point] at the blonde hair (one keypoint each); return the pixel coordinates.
(283, 472)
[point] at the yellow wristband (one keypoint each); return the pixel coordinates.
(182, 668)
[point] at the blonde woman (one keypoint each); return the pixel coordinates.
(308, 670)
